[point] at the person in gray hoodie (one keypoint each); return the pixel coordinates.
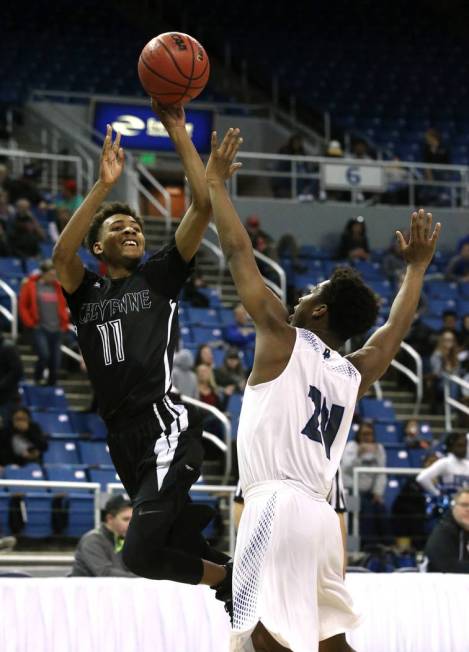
(184, 378)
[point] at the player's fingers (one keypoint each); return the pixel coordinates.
(234, 168)
(413, 225)
(427, 226)
(120, 155)
(421, 224)
(214, 142)
(234, 146)
(107, 138)
(400, 239)
(117, 142)
(436, 232)
(225, 142)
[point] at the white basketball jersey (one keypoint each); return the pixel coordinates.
(296, 426)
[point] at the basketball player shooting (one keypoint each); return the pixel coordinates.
(288, 588)
(127, 330)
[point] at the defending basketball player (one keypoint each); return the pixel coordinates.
(288, 589)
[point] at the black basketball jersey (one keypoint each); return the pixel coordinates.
(127, 330)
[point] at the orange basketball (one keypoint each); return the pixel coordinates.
(173, 68)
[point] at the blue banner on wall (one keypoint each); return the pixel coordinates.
(142, 129)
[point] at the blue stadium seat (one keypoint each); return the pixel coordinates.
(212, 295)
(388, 433)
(203, 316)
(94, 453)
(61, 452)
(103, 476)
(372, 408)
(4, 504)
(436, 307)
(393, 487)
(55, 424)
(226, 316)
(89, 424)
(234, 409)
(11, 267)
(27, 472)
(80, 514)
(397, 457)
(204, 334)
(464, 290)
(185, 335)
(39, 514)
(383, 288)
(416, 457)
(442, 290)
(218, 356)
(45, 398)
(66, 473)
(463, 307)
(369, 271)
(435, 323)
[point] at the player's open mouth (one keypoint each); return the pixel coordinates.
(130, 243)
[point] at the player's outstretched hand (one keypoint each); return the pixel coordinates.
(420, 248)
(171, 116)
(112, 159)
(220, 166)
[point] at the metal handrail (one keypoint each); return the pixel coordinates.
(374, 470)
(221, 261)
(95, 487)
(11, 316)
(451, 402)
(417, 377)
(202, 488)
(226, 428)
(165, 210)
(280, 290)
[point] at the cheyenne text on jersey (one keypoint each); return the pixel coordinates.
(102, 310)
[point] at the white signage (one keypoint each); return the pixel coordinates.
(132, 125)
(343, 176)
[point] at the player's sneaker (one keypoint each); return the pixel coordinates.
(224, 590)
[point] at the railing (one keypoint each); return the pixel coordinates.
(354, 505)
(226, 425)
(49, 173)
(450, 401)
(316, 176)
(10, 315)
(416, 377)
(206, 489)
(95, 487)
(218, 253)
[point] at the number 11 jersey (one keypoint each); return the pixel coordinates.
(295, 427)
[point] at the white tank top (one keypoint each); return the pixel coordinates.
(295, 427)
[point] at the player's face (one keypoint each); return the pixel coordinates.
(461, 510)
(303, 311)
(121, 240)
(459, 447)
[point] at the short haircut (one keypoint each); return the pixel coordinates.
(453, 438)
(352, 306)
(460, 492)
(108, 209)
(115, 505)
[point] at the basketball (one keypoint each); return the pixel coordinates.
(173, 68)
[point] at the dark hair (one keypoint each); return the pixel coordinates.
(365, 422)
(198, 355)
(20, 408)
(452, 438)
(116, 504)
(450, 313)
(107, 210)
(352, 306)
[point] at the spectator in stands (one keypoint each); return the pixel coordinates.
(450, 322)
(365, 451)
(260, 240)
(70, 197)
(447, 548)
(433, 151)
(464, 334)
(393, 263)
(354, 241)
(42, 309)
(449, 473)
(422, 338)
(334, 149)
(231, 373)
(25, 233)
(4, 242)
(208, 390)
(21, 440)
(184, 379)
(302, 188)
(409, 509)
(11, 372)
(192, 291)
(99, 552)
(241, 334)
(413, 436)
(7, 211)
(458, 267)
(444, 359)
(4, 177)
(204, 356)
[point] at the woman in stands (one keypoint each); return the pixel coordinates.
(22, 440)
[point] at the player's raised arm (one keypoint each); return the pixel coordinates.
(67, 263)
(191, 230)
(375, 357)
(262, 305)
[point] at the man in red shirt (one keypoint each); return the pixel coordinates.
(42, 309)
